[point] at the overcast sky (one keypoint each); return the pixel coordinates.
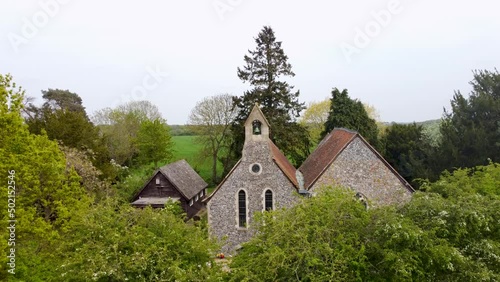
(405, 57)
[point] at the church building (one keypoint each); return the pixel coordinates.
(263, 179)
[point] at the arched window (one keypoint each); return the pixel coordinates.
(268, 200)
(256, 127)
(242, 209)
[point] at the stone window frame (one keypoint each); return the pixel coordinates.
(264, 199)
(255, 173)
(237, 209)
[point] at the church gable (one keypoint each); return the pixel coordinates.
(224, 209)
(363, 169)
(263, 179)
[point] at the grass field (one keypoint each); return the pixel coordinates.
(186, 148)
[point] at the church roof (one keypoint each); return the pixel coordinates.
(329, 149)
(283, 163)
(326, 152)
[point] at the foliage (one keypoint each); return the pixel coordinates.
(314, 119)
(48, 195)
(264, 67)
(407, 149)
(430, 128)
(119, 243)
(448, 233)
(90, 176)
(120, 127)
(63, 118)
(351, 114)
(317, 240)
(211, 119)
(316, 115)
(181, 130)
(471, 131)
(154, 142)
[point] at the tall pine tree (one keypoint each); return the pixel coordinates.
(264, 67)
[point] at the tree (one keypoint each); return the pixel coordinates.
(408, 150)
(154, 142)
(48, 195)
(316, 240)
(136, 245)
(448, 233)
(314, 118)
(351, 114)
(121, 125)
(211, 119)
(63, 118)
(471, 131)
(264, 67)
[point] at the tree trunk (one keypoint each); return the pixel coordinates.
(214, 168)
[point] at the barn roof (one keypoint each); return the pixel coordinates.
(184, 178)
(329, 149)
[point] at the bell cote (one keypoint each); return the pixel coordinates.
(256, 126)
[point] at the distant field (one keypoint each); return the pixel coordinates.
(186, 148)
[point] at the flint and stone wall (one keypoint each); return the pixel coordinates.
(359, 168)
(223, 206)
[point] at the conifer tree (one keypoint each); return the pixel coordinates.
(351, 114)
(264, 69)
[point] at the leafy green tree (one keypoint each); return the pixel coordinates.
(48, 195)
(450, 232)
(137, 245)
(154, 142)
(408, 150)
(120, 127)
(211, 120)
(316, 240)
(351, 114)
(314, 119)
(90, 176)
(63, 118)
(471, 131)
(264, 68)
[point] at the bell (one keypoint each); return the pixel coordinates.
(256, 130)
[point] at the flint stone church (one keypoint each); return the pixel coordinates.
(263, 179)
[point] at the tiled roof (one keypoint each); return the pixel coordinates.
(326, 152)
(184, 178)
(283, 163)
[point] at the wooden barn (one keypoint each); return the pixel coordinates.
(173, 182)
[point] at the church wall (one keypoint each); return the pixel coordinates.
(359, 168)
(223, 206)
